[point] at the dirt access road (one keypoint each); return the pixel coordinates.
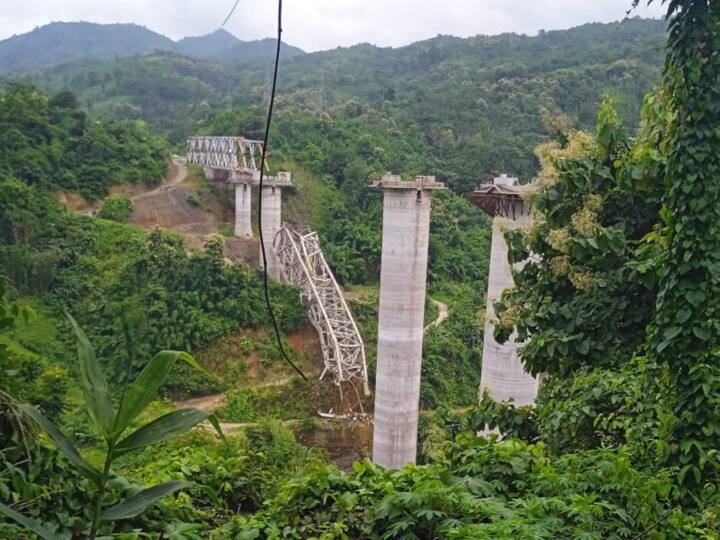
(443, 313)
(213, 402)
(168, 206)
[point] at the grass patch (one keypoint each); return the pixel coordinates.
(297, 399)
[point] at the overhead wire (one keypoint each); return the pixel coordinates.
(270, 309)
(231, 12)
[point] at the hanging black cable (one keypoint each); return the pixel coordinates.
(262, 176)
(231, 12)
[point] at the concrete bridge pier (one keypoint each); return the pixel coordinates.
(243, 205)
(503, 374)
(403, 276)
(271, 200)
(271, 219)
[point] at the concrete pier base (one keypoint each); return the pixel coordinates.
(403, 275)
(243, 210)
(503, 375)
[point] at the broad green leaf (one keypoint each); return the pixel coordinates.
(63, 443)
(26, 522)
(143, 389)
(95, 388)
(216, 424)
(161, 429)
(136, 504)
(701, 333)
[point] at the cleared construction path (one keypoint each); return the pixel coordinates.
(443, 313)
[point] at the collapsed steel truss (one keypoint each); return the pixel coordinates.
(304, 266)
(228, 153)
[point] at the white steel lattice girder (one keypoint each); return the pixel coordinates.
(305, 266)
(228, 153)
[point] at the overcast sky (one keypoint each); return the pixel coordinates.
(324, 24)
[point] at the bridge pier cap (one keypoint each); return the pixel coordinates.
(403, 278)
(395, 181)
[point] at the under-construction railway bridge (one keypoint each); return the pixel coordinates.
(295, 255)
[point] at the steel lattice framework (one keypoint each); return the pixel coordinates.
(228, 153)
(305, 267)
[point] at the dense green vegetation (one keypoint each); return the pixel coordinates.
(476, 104)
(50, 142)
(616, 304)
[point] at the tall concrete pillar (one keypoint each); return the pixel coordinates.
(271, 201)
(403, 275)
(243, 209)
(503, 375)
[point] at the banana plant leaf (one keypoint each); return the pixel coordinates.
(29, 524)
(143, 389)
(136, 504)
(94, 385)
(63, 443)
(166, 427)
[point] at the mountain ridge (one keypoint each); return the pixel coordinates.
(59, 43)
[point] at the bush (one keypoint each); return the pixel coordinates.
(116, 208)
(630, 408)
(484, 490)
(186, 382)
(288, 402)
(509, 420)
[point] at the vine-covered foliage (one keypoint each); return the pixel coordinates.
(50, 142)
(627, 240)
(631, 409)
(686, 328)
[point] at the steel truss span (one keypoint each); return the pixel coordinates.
(305, 267)
(228, 153)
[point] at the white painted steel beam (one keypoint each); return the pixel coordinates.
(227, 153)
(304, 265)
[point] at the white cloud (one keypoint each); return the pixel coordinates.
(324, 24)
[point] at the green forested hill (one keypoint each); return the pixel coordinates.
(58, 43)
(479, 102)
(206, 46)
